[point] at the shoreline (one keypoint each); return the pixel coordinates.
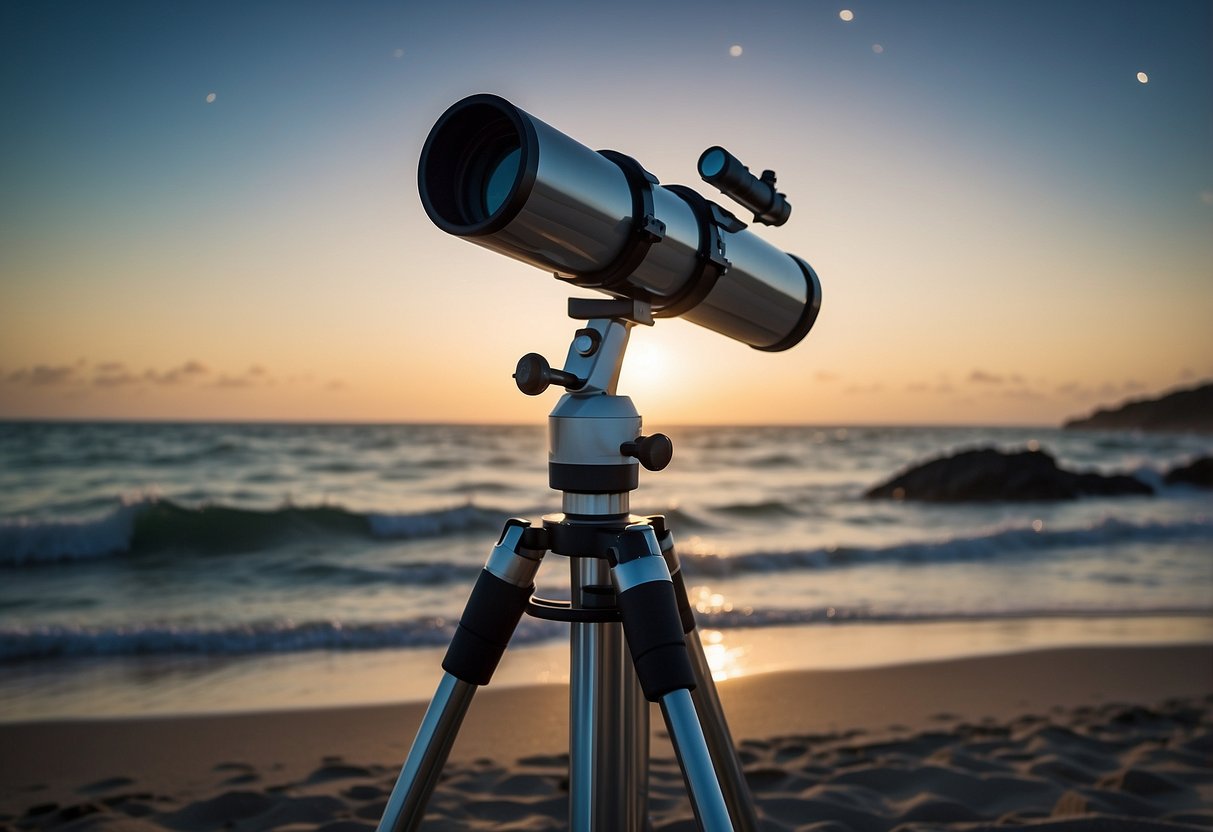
(66, 761)
(120, 687)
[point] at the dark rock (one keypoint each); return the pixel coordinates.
(989, 474)
(1199, 473)
(1181, 411)
(41, 809)
(79, 810)
(1111, 485)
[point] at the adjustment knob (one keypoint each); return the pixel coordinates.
(533, 375)
(654, 452)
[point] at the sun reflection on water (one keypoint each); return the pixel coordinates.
(708, 602)
(724, 660)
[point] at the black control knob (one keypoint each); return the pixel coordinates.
(654, 452)
(533, 375)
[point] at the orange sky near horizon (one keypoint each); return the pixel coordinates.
(215, 217)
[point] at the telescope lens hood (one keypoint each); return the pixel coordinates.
(478, 166)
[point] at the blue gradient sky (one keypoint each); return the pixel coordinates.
(1009, 227)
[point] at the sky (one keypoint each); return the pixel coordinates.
(210, 211)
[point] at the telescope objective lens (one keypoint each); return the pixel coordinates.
(500, 179)
(489, 167)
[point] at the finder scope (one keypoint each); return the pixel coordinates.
(499, 177)
(724, 170)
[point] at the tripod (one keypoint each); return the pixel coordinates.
(633, 636)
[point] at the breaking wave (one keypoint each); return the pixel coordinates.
(149, 525)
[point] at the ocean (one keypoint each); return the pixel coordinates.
(178, 568)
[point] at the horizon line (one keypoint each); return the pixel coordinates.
(95, 420)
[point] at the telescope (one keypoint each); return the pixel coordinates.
(501, 178)
(497, 176)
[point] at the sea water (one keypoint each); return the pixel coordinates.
(198, 567)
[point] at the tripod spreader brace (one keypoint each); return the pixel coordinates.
(505, 588)
(644, 594)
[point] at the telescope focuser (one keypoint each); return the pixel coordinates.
(534, 374)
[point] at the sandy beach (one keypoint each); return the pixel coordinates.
(1061, 739)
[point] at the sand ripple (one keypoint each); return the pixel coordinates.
(1112, 768)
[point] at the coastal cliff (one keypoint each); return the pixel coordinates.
(1189, 410)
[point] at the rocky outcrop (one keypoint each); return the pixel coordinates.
(1184, 411)
(1199, 473)
(988, 474)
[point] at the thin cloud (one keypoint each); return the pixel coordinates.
(1022, 393)
(115, 377)
(940, 388)
(43, 375)
(982, 377)
(108, 375)
(254, 376)
(227, 382)
(189, 371)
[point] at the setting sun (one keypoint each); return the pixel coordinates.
(648, 371)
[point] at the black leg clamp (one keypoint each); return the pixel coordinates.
(651, 623)
(492, 613)
(495, 606)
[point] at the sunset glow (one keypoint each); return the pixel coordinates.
(1000, 238)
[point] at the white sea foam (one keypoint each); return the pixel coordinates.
(24, 541)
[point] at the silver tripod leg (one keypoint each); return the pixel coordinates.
(492, 612)
(716, 732)
(733, 784)
(608, 718)
(656, 642)
(692, 751)
(427, 755)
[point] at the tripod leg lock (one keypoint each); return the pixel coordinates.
(651, 623)
(494, 608)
